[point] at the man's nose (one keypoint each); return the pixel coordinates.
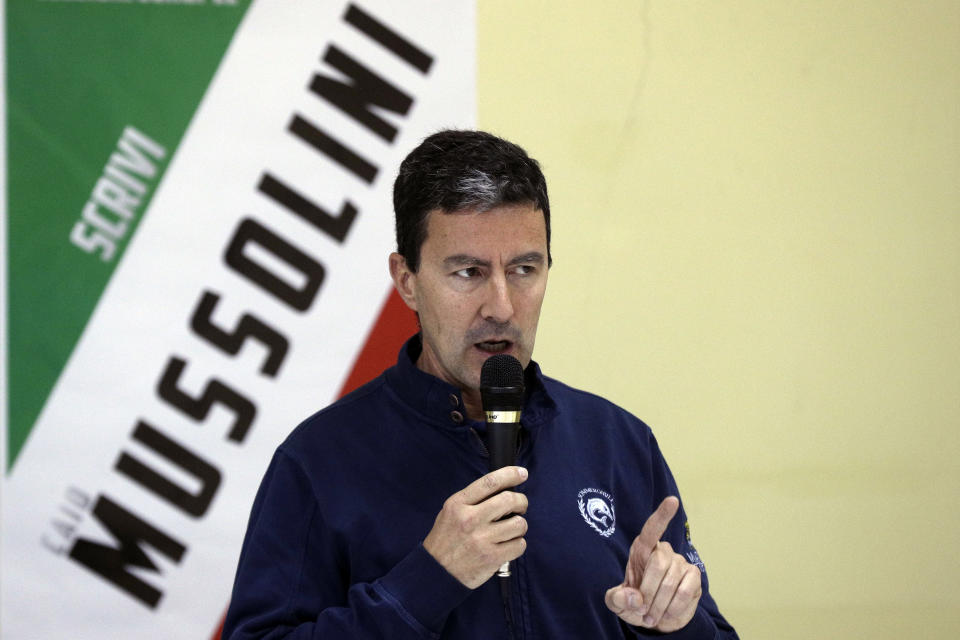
(497, 305)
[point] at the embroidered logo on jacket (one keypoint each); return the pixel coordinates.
(596, 507)
(692, 556)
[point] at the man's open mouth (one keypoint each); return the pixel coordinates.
(493, 346)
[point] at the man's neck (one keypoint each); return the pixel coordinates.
(472, 405)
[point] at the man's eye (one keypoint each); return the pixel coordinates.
(469, 272)
(524, 269)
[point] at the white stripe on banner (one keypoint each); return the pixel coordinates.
(124, 514)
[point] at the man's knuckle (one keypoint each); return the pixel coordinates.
(687, 592)
(522, 525)
(474, 546)
(467, 521)
(519, 548)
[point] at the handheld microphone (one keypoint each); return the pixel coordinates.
(501, 395)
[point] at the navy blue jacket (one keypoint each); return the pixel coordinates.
(333, 548)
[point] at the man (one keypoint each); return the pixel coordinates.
(377, 517)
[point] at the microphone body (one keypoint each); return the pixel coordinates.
(503, 426)
(501, 395)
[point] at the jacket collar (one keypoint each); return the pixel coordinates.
(442, 403)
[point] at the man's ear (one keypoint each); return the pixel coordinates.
(403, 279)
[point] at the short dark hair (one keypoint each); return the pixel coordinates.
(455, 170)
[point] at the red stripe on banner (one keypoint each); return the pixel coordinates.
(394, 325)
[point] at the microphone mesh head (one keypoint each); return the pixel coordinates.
(501, 370)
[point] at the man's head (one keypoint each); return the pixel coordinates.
(458, 171)
(473, 252)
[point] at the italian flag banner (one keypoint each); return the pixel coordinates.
(197, 213)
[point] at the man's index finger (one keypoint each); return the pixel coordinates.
(493, 482)
(656, 524)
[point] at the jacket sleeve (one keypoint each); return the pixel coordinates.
(707, 623)
(292, 582)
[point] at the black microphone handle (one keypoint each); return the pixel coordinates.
(502, 444)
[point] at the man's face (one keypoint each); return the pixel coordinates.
(479, 289)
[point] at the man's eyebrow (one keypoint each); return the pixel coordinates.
(534, 256)
(464, 260)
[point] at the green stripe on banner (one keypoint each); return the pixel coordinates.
(99, 94)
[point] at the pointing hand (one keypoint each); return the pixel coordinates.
(660, 589)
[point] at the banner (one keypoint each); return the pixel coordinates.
(198, 215)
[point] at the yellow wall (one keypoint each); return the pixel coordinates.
(757, 250)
